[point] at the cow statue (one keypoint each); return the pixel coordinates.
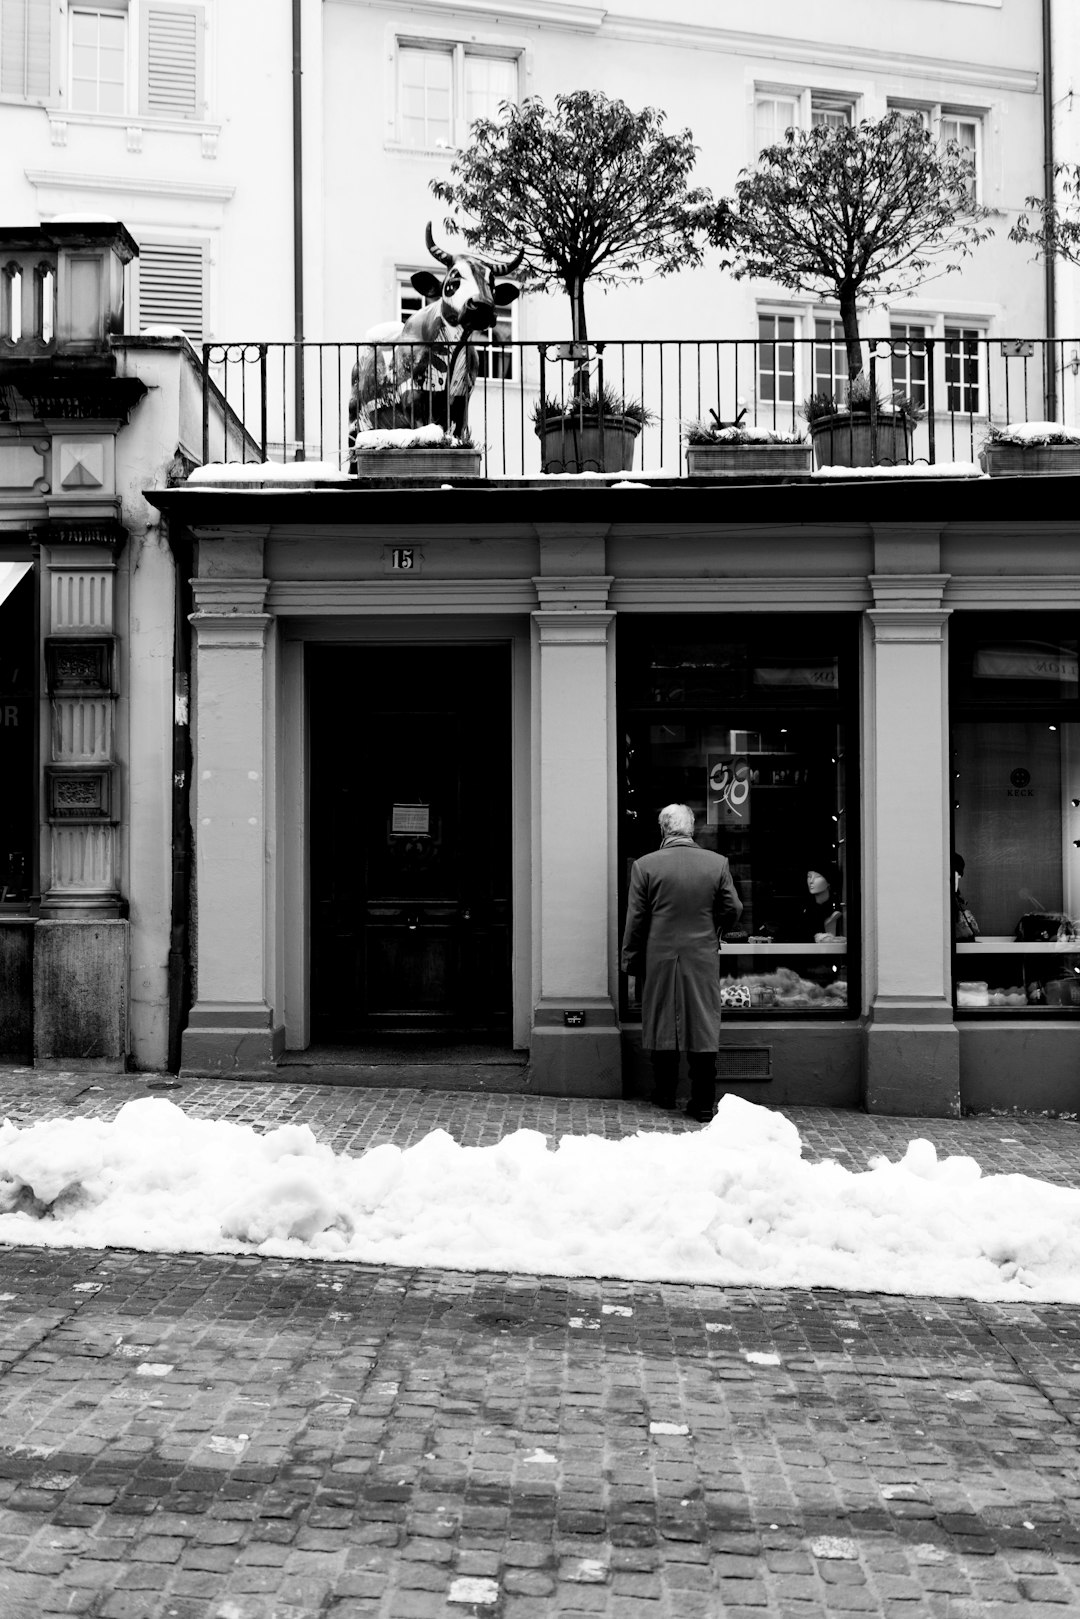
(426, 370)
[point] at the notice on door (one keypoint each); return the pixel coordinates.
(411, 820)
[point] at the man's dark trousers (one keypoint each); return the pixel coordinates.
(702, 1066)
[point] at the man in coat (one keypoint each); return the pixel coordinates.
(681, 899)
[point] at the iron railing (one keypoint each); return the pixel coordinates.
(960, 386)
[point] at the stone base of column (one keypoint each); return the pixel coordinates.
(567, 1058)
(913, 1064)
(230, 1040)
(81, 995)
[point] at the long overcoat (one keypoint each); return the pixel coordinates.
(681, 898)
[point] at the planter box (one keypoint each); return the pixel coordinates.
(569, 445)
(418, 463)
(844, 441)
(1030, 460)
(741, 460)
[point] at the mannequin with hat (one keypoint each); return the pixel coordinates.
(823, 915)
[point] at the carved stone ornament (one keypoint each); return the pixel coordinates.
(78, 665)
(78, 794)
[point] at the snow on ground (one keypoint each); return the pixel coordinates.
(732, 1204)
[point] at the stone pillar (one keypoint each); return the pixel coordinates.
(575, 1041)
(231, 1028)
(912, 1044)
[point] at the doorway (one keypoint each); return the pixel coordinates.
(410, 838)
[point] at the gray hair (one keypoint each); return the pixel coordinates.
(677, 820)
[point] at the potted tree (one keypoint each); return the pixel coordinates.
(716, 449)
(591, 191)
(847, 213)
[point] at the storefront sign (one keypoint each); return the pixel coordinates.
(1006, 663)
(728, 790)
(821, 675)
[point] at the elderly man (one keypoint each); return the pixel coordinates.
(681, 899)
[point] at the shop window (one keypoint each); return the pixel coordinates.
(752, 724)
(18, 662)
(1016, 813)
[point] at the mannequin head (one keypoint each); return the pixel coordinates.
(822, 881)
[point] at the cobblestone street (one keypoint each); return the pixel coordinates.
(188, 1437)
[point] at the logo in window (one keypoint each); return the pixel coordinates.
(1020, 777)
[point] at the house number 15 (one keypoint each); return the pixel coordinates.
(403, 558)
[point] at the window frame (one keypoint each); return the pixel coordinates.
(966, 629)
(119, 10)
(457, 49)
(806, 100)
(637, 717)
(485, 345)
(933, 114)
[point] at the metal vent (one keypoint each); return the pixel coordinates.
(745, 1062)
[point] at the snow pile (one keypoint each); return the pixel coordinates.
(914, 469)
(1034, 433)
(217, 472)
(403, 438)
(751, 435)
(732, 1204)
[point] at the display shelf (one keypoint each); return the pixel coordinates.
(830, 947)
(1006, 945)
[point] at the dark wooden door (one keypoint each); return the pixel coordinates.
(410, 839)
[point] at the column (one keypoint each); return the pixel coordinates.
(912, 1050)
(231, 1028)
(575, 1042)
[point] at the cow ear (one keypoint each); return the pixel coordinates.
(505, 293)
(428, 285)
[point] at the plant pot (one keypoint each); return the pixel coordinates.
(418, 462)
(741, 460)
(587, 444)
(1030, 460)
(843, 440)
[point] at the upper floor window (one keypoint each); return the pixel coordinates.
(773, 114)
(98, 60)
(121, 59)
(776, 378)
(830, 357)
(443, 89)
(170, 286)
(494, 361)
(963, 368)
(965, 128)
(831, 112)
(908, 344)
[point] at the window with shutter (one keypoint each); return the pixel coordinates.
(172, 286)
(172, 60)
(26, 48)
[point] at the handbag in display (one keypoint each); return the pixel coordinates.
(965, 926)
(735, 995)
(1044, 927)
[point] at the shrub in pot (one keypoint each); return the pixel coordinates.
(589, 432)
(732, 449)
(1030, 449)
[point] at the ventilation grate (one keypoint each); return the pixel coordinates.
(745, 1062)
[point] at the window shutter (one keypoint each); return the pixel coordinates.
(172, 77)
(26, 49)
(172, 286)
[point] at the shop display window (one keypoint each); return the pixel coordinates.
(751, 722)
(1015, 697)
(18, 819)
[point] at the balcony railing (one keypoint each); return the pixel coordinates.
(294, 403)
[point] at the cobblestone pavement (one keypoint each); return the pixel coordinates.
(190, 1437)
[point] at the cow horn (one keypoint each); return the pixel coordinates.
(510, 265)
(437, 252)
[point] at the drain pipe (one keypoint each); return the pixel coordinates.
(1049, 261)
(298, 233)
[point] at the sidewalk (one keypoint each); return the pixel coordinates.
(188, 1437)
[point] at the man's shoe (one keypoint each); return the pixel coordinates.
(702, 1115)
